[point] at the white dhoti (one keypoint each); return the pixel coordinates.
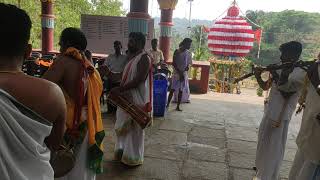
(307, 159)
(183, 86)
(81, 169)
(272, 140)
(270, 149)
(303, 169)
(129, 147)
(23, 153)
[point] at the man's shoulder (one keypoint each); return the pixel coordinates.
(145, 57)
(63, 60)
(42, 86)
(42, 96)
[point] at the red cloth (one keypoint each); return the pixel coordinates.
(257, 35)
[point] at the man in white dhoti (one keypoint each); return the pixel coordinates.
(180, 82)
(82, 88)
(135, 86)
(285, 88)
(32, 110)
(307, 160)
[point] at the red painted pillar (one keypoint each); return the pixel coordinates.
(167, 7)
(138, 16)
(47, 24)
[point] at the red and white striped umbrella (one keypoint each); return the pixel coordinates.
(231, 36)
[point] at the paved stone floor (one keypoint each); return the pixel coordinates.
(214, 138)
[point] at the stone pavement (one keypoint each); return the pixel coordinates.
(214, 138)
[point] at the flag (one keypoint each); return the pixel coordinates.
(257, 35)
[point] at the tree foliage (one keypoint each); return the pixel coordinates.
(281, 27)
(200, 43)
(67, 13)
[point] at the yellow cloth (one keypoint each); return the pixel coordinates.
(94, 91)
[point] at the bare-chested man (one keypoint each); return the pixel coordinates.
(82, 87)
(31, 108)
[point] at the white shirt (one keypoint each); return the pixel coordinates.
(157, 56)
(116, 63)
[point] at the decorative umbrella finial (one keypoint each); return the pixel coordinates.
(233, 11)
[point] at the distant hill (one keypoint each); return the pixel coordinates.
(181, 24)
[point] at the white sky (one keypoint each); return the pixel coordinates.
(211, 9)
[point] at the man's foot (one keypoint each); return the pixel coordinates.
(178, 109)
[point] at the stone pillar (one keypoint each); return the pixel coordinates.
(167, 7)
(138, 16)
(47, 24)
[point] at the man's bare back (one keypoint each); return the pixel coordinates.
(65, 72)
(41, 96)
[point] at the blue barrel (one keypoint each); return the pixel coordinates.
(160, 88)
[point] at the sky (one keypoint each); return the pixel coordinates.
(212, 9)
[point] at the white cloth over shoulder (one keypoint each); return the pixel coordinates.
(272, 141)
(23, 153)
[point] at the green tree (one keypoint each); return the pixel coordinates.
(281, 27)
(200, 43)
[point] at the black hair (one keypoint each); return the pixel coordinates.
(117, 42)
(139, 37)
(73, 37)
(293, 48)
(15, 26)
(186, 40)
(154, 40)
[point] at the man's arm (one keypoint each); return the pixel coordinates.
(174, 64)
(57, 105)
(55, 72)
(161, 57)
(143, 71)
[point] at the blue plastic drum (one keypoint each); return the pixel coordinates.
(160, 88)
